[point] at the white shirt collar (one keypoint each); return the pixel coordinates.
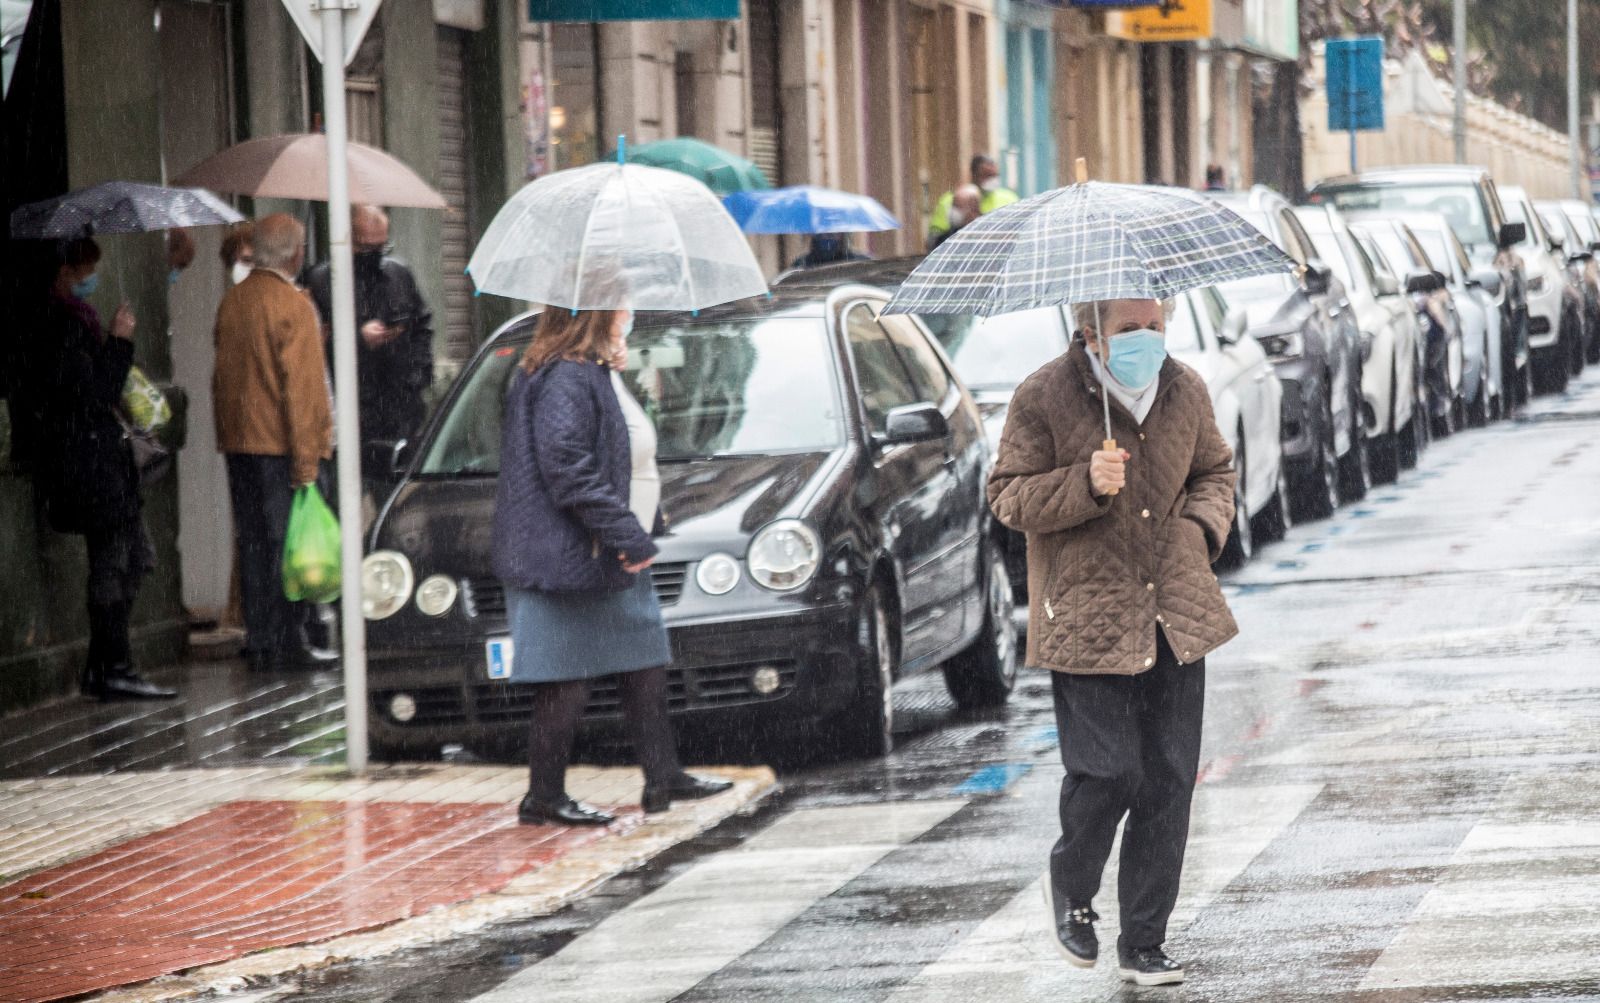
(1138, 402)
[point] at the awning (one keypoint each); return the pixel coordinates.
(633, 10)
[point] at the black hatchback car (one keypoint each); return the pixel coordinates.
(823, 476)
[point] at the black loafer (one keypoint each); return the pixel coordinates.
(563, 812)
(1074, 927)
(687, 787)
(119, 682)
(1147, 966)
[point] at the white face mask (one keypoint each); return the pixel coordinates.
(240, 272)
(957, 218)
(989, 184)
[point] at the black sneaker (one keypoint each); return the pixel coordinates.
(1147, 966)
(1074, 927)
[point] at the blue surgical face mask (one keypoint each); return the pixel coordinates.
(85, 288)
(1136, 357)
(172, 276)
(627, 325)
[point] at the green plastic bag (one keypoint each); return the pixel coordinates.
(144, 403)
(311, 549)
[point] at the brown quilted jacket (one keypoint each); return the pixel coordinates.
(1104, 573)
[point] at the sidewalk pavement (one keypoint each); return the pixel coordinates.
(272, 863)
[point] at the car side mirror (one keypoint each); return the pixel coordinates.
(913, 423)
(1558, 242)
(1316, 278)
(1424, 282)
(1234, 326)
(1488, 280)
(1386, 285)
(384, 459)
(1577, 257)
(1512, 234)
(1594, 245)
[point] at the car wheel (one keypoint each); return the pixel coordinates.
(985, 674)
(1274, 521)
(1443, 426)
(1385, 451)
(1478, 411)
(1319, 492)
(1550, 371)
(1241, 545)
(1355, 470)
(866, 726)
(1410, 440)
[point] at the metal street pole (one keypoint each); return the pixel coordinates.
(1460, 42)
(1574, 139)
(347, 425)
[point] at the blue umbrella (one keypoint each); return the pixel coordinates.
(808, 209)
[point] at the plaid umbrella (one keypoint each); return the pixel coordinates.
(1088, 242)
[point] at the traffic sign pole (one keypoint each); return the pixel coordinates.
(347, 425)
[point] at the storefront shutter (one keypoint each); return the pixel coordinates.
(453, 182)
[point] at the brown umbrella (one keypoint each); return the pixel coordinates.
(296, 167)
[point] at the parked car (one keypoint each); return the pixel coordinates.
(1468, 198)
(992, 355)
(1441, 358)
(1247, 400)
(1308, 330)
(1389, 337)
(1555, 306)
(823, 473)
(1475, 307)
(1580, 239)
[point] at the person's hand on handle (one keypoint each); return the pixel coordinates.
(1108, 471)
(634, 569)
(123, 323)
(375, 333)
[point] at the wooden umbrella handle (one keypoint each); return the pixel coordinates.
(1110, 446)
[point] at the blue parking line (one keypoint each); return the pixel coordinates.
(1312, 547)
(993, 779)
(1044, 738)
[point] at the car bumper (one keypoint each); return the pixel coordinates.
(1544, 318)
(1298, 418)
(711, 681)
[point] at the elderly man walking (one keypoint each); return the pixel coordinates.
(1123, 609)
(274, 424)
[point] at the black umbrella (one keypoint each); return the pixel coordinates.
(119, 207)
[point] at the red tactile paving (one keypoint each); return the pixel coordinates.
(250, 875)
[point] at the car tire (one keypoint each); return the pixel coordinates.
(1550, 371)
(1318, 494)
(1275, 520)
(1355, 470)
(866, 726)
(1385, 452)
(1410, 440)
(1241, 543)
(1444, 425)
(1478, 411)
(986, 672)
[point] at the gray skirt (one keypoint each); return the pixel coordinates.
(560, 636)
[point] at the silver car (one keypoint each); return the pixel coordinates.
(1479, 311)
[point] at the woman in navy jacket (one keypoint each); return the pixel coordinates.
(573, 557)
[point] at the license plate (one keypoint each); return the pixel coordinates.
(498, 652)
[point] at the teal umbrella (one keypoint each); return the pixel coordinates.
(717, 169)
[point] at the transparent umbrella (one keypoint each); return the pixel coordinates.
(608, 236)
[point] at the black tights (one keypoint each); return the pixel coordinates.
(557, 708)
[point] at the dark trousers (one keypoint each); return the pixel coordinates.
(119, 557)
(1131, 746)
(557, 708)
(261, 494)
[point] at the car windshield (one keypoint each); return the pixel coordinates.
(1261, 287)
(1183, 334)
(1433, 242)
(1332, 255)
(1458, 203)
(1517, 212)
(1394, 247)
(998, 353)
(753, 385)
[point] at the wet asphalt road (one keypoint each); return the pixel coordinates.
(1399, 797)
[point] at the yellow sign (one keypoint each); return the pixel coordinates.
(1173, 21)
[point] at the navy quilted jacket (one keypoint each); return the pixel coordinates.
(561, 512)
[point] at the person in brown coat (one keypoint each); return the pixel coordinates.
(1123, 608)
(274, 424)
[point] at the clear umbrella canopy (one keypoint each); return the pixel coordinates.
(120, 207)
(608, 236)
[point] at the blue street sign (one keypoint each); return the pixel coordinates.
(1355, 84)
(633, 10)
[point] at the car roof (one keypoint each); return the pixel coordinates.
(1426, 173)
(1413, 219)
(885, 273)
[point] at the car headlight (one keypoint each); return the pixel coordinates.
(436, 595)
(784, 556)
(386, 581)
(1538, 284)
(1283, 344)
(717, 574)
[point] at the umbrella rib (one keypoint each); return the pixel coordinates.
(583, 241)
(683, 250)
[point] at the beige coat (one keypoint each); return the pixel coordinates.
(1105, 572)
(270, 387)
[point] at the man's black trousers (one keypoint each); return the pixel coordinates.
(261, 495)
(1131, 746)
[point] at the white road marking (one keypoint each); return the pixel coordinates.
(696, 924)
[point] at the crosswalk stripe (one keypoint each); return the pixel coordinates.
(1012, 956)
(661, 945)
